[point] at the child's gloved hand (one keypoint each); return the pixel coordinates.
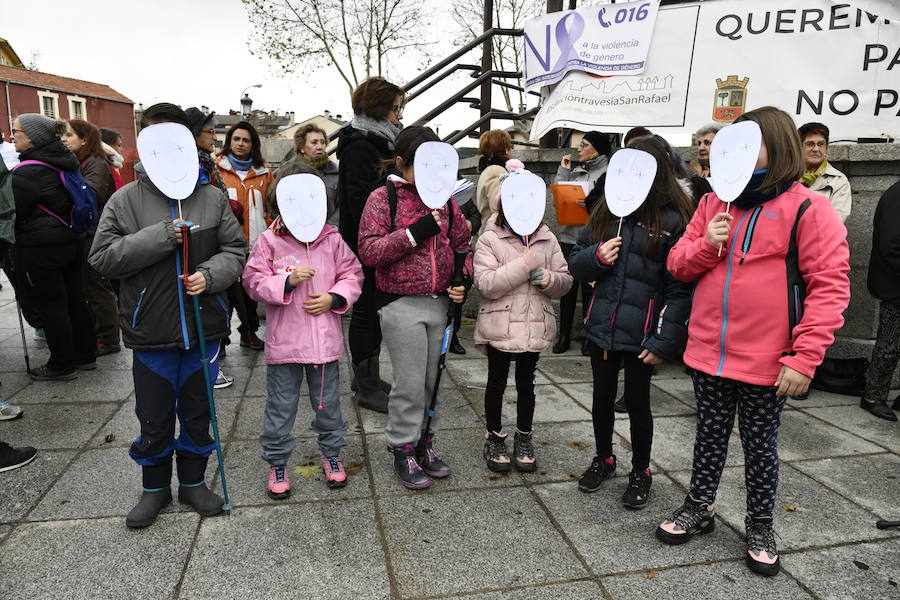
(318, 304)
(540, 278)
(427, 226)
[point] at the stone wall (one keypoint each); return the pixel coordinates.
(871, 168)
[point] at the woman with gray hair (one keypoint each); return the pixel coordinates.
(703, 141)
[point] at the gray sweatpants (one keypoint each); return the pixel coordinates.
(283, 384)
(412, 328)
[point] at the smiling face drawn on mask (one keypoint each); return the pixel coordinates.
(303, 204)
(629, 177)
(436, 165)
(732, 158)
(169, 156)
(523, 198)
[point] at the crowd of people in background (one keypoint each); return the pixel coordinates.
(650, 291)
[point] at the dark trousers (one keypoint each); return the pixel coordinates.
(245, 306)
(718, 399)
(170, 384)
(102, 301)
(885, 354)
(457, 317)
(9, 267)
(498, 372)
(49, 277)
(567, 303)
(605, 366)
(364, 332)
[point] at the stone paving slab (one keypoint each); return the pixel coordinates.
(801, 437)
(567, 370)
(453, 410)
(20, 489)
(4, 531)
(46, 426)
(498, 538)
(871, 481)
(673, 442)
(856, 571)
(562, 451)
(13, 383)
(580, 590)
(800, 508)
(661, 402)
(552, 405)
(100, 385)
(730, 580)
(247, 471)
(607, 534)
(471, 372)
(321, 550)
(124, 426)
(859, 422)
(97, 558)
(818, 398)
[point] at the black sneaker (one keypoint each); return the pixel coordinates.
(896, 405)
(879, 408)
(762, 554)
(494, 451)
(523, 452)
(407, 468)
(252, 341)
(13, 458)
(691, 519)
(45, 373)
(620, 406)
(429, 460)
(597, 473)
(637, 494)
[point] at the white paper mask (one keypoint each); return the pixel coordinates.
(732, 158)
(628, 180)
(436, 165)
(303, 204)
(523, 198)
(169, 155)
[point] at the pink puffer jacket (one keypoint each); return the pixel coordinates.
(400, 267)
(516, 316)
(292, 334)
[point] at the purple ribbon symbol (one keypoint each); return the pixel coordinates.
(566, 39)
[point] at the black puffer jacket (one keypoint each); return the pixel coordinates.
(358, 175)
(35, 185)
(636, 303)
(884, 262)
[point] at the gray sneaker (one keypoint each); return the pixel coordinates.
(9, 411)
(223, 381)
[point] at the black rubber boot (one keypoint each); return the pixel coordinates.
(370, 395)
(193, 490)
(157, 493)
(562, 344)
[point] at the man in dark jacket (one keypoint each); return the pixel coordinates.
(138, 241)
(48, 251)
(884, 285)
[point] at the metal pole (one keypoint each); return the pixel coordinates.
(487, 64)
(551, 138)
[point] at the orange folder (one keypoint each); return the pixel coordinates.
(567, 196)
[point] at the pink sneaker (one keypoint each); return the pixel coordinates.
(335, 476)
(279, 484)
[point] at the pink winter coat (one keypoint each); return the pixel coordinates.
(400, 267)
(759, 305)
(516, 316)
(292, 334)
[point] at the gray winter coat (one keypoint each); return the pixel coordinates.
(589, 171)
(135, 243)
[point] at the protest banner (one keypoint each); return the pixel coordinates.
(818, 60)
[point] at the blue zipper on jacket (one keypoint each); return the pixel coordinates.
(137, 309)
(184, 331)
(725, 296)
(748, 236)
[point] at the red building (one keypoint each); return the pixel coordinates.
(59, 97)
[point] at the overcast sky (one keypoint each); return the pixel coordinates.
(191, 52)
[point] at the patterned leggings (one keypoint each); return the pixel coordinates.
(759, 409)
(885, 354)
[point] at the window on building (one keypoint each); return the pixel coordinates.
(77, 108)
(49, 104)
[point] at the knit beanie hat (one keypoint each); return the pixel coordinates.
(39, 129)
(197, 119)
(600, 142)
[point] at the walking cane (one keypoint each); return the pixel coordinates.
(22, 331)
(459, 259)
(204, 361)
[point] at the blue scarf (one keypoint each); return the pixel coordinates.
(751, 196)
(240, 165)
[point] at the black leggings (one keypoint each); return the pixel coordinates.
(567, 303)
(605, 366)
(364, 332)
(498, 371)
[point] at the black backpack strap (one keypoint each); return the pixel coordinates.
(796, 286)
(392, 200)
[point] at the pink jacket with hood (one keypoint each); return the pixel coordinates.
(764, 302)
(292, 334)
(516, 316)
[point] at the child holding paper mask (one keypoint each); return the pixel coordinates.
(517, 275)
(637, 315)
(411, 247)
(305, 287)
(764, 312)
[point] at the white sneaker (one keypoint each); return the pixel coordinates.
(9, 411)
(223, 381)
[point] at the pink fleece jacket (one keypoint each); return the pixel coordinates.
(746, 321)
(292, 334)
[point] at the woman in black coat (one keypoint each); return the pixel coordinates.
(49, 253)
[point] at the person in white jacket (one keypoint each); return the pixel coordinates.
(820, 175)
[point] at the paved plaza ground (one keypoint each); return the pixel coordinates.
(475, 535)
